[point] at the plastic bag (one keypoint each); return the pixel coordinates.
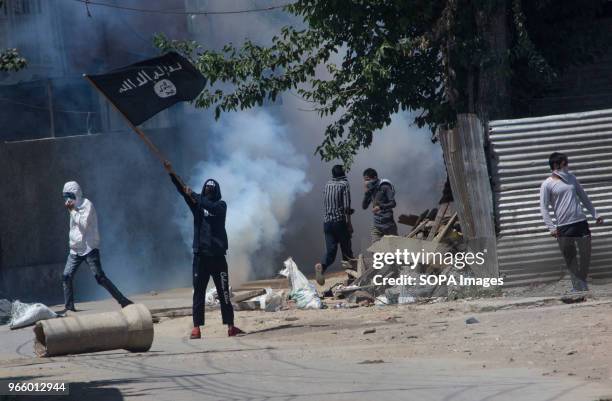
(274, 302)
(302, 291)
(27, 314)
(211, 297)
(271, 301)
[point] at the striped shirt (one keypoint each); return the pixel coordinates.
(336, 199)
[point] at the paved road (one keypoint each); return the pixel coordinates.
(241, 369)
(248, 368)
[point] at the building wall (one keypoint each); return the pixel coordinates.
(580, 88)
(133, 195)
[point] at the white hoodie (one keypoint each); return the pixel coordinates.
(84, 236)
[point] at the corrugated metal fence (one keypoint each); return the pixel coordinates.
(520, 150)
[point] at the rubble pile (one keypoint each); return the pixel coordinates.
(434, 230)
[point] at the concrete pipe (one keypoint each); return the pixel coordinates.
(130, 328)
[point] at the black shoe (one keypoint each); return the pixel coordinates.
(65, 310)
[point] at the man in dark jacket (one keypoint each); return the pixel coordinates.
(209, 249)
(381, 194)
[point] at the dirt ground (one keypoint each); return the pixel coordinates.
(562, 339)
(520, 347)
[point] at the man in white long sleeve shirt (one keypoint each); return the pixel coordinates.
(564, 193)
(84, 241)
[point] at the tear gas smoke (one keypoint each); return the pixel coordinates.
(261, 174)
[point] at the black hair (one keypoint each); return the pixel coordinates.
(556, 158)
(338, 171)
(370, 173)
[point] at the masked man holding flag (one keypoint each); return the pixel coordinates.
(564, 193)
(209, 250)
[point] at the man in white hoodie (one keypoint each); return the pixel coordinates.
(564, 193)
(84, 241)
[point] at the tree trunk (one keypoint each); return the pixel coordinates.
(493, 78)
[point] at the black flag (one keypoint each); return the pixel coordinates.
(144, 89)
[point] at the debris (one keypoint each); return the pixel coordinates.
(271, 301)
(171, 312)
(360, 296)
(302, 291)
(344, 305)
(406, 299)
(341, 291)
(409, 220)
(381, 300)
(247, 305)
(365, 302)
(247, 295)
(370, 361)
(368, 331)
(23, 315)
(472, 320)
(330, 290)
(573, 298)
(438, 221)
(131, 329)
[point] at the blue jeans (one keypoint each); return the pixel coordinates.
(93, 261)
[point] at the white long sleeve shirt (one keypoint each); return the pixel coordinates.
(83, 236)
(565, 196)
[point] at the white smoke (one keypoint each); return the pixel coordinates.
(261, 174)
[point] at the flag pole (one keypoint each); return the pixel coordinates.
(137, 130)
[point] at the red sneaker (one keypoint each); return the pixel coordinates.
(234, 331)
(195, 333)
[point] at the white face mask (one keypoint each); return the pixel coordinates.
(563, 173)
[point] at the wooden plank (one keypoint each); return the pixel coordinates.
(409, 220)
(417, 228)
(361, 267)
(352, 273)
(447, 227)
(248, 295)
(437, 221)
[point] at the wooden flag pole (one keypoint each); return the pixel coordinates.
(138, 131)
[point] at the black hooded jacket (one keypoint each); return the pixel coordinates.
(209, 235)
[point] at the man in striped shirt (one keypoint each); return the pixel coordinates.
(336, 221)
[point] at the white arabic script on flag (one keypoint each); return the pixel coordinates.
(144, 77)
